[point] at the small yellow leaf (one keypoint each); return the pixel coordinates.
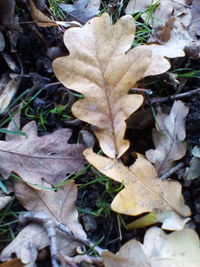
(143, 191)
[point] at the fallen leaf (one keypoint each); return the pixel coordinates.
(168, 137)
(38, 160)
(143, 191)
(169, 219)
(162, 12)
(43, 21)
(93, 69)
(177, 38)
(40, 18)
(82, 10)
(4, 200)
(193, 171)
(179, 248)
(8, 88)
(59, 205)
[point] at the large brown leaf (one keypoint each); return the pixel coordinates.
(36, 159)
(58, 205)
(99, 68)
(143, 191)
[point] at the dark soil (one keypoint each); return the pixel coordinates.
(36, 48)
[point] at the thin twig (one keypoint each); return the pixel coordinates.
(141, 90)
(173, 97)
(173, 170)
(50, 226)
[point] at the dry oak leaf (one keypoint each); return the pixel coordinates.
(59, 205)
(168, 138)
(143, 191)
(99, 68)
(178, 249)
(38, 160)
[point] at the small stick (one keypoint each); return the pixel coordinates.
(50, 226)
(173, 97)
(141, 90)
(176, 168)
(73, 261)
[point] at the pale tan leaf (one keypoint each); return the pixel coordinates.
(59, 205)
(130, 255)
(39, 160)
(168, 137)
(99, 68)
(179, 248)
(144, 191)
(4, 200)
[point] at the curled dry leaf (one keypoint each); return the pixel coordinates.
(43, 21)
(99, 68)
(38, 160)
(168, 138)
(179, 248)
(143, 191)
(59, 205)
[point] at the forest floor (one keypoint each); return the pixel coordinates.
(27, 58)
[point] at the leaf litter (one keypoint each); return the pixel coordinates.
(30, 156)
(164, 199)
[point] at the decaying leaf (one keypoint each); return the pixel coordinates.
(168, 137)
(143, 191)
(43, 21)
(82, 10)
(179, 248)
(59, 205)
(38, 160)
(93, 69)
